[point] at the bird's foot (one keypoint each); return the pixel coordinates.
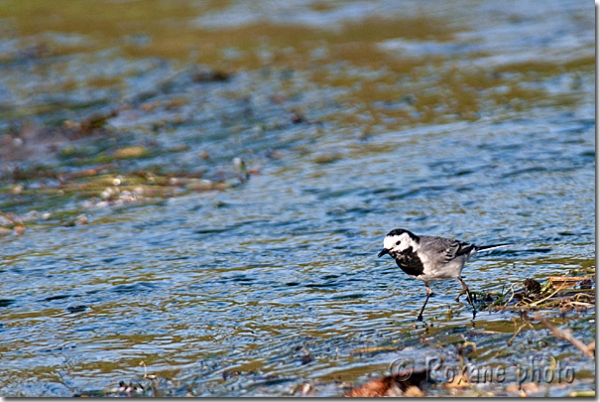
(420, 317)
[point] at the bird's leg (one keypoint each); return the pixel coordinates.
(429, 293)
(466, 290)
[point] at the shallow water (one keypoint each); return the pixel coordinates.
(227, 292)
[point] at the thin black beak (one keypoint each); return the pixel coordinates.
(383, 252)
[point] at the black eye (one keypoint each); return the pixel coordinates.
(398, 243)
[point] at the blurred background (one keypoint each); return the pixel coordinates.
(204, 185)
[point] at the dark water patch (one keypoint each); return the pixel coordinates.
(524, 171)
(353, 296)
(95, 291)
(380, 190)
(57, 297)
(87, 328)
(77, 308)
(135, 287)
(269, 382)
(7, 302)
(215, 230)
(177, 258)
(241, 279)
(58, 349)
(566, 234)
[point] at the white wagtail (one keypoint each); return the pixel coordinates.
(431, 258)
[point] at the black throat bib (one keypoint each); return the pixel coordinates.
(409, 262)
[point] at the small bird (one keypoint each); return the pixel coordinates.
(431, 258)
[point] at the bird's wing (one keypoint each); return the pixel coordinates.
(458, 248)
(445, 250)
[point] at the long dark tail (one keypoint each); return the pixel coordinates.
(491, 247)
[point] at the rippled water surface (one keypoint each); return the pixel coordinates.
(268, 284)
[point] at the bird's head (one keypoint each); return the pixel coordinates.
(398, 241)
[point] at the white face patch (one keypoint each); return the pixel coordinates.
(398, 243)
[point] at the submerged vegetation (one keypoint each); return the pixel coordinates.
(367, 80)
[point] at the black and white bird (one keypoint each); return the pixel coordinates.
(431, 258)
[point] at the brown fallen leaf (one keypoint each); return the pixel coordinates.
(397, 384)
(522, 390)
(413, 392)
(566, 282)
(459, 381)
(530, 388)
(513, 388)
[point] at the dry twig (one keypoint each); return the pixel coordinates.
(545, 298)
(566, 335)
(517, 331)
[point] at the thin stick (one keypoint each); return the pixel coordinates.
(517, 332)
(580, 304)
(14, 221)
(566, 335)
(544, 299)
(592, 346)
